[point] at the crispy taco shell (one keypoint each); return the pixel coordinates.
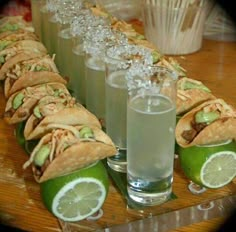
(79, 154)
(13, 57)
(18, 35)
(74, 114)
(32, 45)
(19, 76)
(10, 25)
(31, 79)
(17, 22)
(32, 95)
(221, 129)
(190, 98)
(21, 56)
(74, 158)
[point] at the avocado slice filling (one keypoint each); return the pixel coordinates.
(36, 112)
(18, 100)
(86, 132)
(42, 155)
(39, 68)
(206, 117)
(4, 44)
(9, 27)
(191, 85)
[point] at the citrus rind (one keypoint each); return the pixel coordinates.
(82, 182)
(193, 158)
(219, 169)
(218, 144)
(75, 194)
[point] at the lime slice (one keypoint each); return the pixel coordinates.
(211, 166)
(219, 169)
(78, 195)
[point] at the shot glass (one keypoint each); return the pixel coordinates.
(36, 15)
(65, 15)
(151, 120)
(44, 23)
(85, 21)
(51, 25)
(96, 41)
(118, 60)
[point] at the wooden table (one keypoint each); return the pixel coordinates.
(20, 203)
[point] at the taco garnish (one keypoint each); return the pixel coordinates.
(20, 34)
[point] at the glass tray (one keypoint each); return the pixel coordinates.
(119, 213)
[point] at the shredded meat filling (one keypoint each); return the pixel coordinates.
(39, 170)
(9, 113)
(198, 126)
(23, 112)
(189, 135)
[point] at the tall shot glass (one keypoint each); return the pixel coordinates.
(36, 15)
(65, 15)
(151, 118)
(96, 41)
(118, 60)
(84, 22)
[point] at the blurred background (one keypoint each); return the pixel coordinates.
(16, 7)
(218, 26)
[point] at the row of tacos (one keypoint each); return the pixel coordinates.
(37, 95)
(67, 135)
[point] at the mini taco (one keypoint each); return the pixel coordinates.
(50, 109)
(191, 93)
(27, 47)
(125, 28)
(173, 65)
(18, 35)
(30, 72)
(68, 148)
(5, 43)
(13, 24)
(32, 45)
(20, 105)
(211, 122)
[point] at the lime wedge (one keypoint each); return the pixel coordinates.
(211, 166)
(78, 195)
